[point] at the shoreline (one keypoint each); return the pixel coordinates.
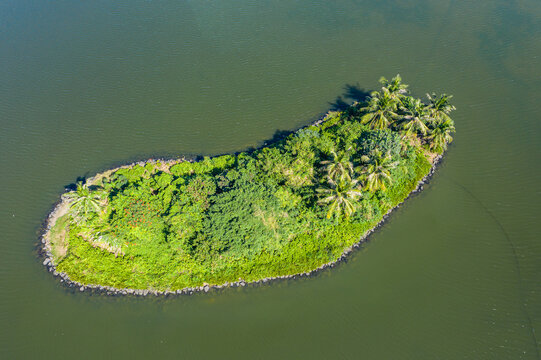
(59, 209)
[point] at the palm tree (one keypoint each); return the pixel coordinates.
(341, 196)
(395, 87)
(440, 134)
(377, 172)
(85, 203)
(416, 116)
(439, 107)
(340, 167)
(381, 110)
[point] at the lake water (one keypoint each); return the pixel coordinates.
(454, 274)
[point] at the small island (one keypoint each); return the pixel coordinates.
(289, 208)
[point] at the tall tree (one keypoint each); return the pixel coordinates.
(85, 203)
(381, 110)
(416, 116)
(342, 196)
(378, 172)
(339, 168)
(440, 107)
(440, 134)
(395, 87)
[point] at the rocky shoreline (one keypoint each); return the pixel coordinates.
(44, 249)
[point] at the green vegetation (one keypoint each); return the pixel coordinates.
(283, 209)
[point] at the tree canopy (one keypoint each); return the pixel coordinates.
(285, 208)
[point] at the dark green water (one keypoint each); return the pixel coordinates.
(455, 273)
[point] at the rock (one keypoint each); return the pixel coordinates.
(206, 288)
(46, 261)
(82, 288)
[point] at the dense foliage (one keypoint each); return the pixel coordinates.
(282, 209)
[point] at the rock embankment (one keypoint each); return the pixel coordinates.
(62, 207)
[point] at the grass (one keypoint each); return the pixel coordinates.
(171, 225)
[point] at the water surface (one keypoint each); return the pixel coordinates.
(454, 274)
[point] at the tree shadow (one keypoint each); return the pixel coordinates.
(279, 135)
(73, 186)
(352, 93)
(339, 104)
(355, 93)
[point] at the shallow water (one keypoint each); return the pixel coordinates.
(454, 274)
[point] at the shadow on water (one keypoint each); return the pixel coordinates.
(73, 185)
(278, 136)
(352, 93)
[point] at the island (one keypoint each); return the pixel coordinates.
(287, 209)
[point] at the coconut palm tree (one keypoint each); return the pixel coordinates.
(440, 134)
(380, 110)
(342, 196)
(84, 203)
(340, 167)
(416, 116)
(378, 172)
(395, 87)
(439, 107)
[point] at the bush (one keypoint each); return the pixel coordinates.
(251, 215)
